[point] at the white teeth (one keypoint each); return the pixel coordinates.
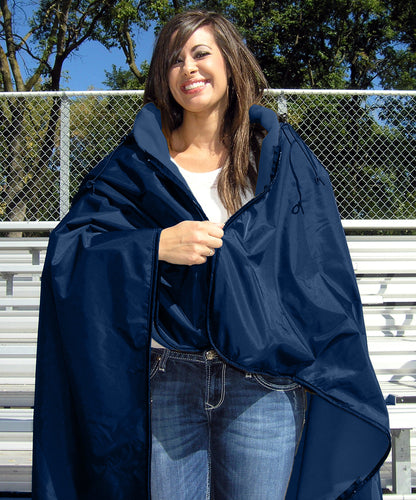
(195, 85)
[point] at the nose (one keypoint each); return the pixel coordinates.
(189, 66)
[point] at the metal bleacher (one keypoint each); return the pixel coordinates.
(385, 268)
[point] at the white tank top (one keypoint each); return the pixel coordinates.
(204, 187)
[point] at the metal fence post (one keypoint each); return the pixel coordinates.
(65, 138)
(282, 106)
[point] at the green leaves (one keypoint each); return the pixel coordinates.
(299, 43)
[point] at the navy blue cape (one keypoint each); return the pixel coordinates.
(279, 297)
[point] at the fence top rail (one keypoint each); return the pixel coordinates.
(28, 226)
(386, 224)
(348, 224)
(78, 93)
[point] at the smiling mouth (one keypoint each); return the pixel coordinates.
(194, 85)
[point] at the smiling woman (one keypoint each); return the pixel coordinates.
(214, 446)
(199, 78)
(232, 138)
(198, 81)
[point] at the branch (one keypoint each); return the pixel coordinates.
(73, 42)
(128, 49)
(11, 47)
(311, 77)
(62, 27)
(43, 60)
(5, 72)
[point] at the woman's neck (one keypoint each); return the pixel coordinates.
(196, 145)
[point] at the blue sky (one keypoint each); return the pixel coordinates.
(86, 67)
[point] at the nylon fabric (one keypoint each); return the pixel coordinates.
(278, 298)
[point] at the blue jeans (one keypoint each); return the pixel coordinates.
(221, 433)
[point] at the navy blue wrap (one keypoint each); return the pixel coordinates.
(279, 297)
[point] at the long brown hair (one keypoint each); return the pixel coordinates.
(246, 86)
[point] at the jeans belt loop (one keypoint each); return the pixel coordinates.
(163, 360)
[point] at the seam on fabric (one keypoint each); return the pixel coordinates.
(222, 395)
(298, 207)
(304, 405)
(151, 301)
(310, 157)
(207, 404)
(151, 306)
(209, 468)
(209, 493)
(163, 360)
(197, 358)
(154, 367)
(291, 386)
(90, 181)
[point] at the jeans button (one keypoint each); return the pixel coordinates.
(209, 355)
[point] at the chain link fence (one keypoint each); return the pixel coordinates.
(365, 139)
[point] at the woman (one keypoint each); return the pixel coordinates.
(220, 276)
(214, 427)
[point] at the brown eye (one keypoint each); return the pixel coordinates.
(201, 54)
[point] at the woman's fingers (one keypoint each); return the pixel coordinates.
(203, 233)
(190, 242)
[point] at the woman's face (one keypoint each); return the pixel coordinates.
(198, 80)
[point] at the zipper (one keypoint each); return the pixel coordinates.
(275, 161)
(160, 167)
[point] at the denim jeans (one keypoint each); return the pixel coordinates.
(221, 433)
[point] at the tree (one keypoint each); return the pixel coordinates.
(119, 78)
(325, 43)
(301, 43)
(56, 30)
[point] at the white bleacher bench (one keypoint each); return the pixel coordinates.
(21, 263)
(34, 245)
(15, 449)
(385, 268)
(22, 302)
(9, 271)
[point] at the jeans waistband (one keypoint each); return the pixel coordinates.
(202, 357)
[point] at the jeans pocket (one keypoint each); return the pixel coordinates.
(276, 383)
(155, 358)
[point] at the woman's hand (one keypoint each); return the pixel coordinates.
(190, 242)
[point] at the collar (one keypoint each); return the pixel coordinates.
(147, 131)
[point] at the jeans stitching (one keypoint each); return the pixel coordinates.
(198, 358)
(209, 492)
(276, 387)
(302, 400)
(163, 360)
(222, 396)
(208, 405)
(154, 367)
(194, 357)
(209, 468)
